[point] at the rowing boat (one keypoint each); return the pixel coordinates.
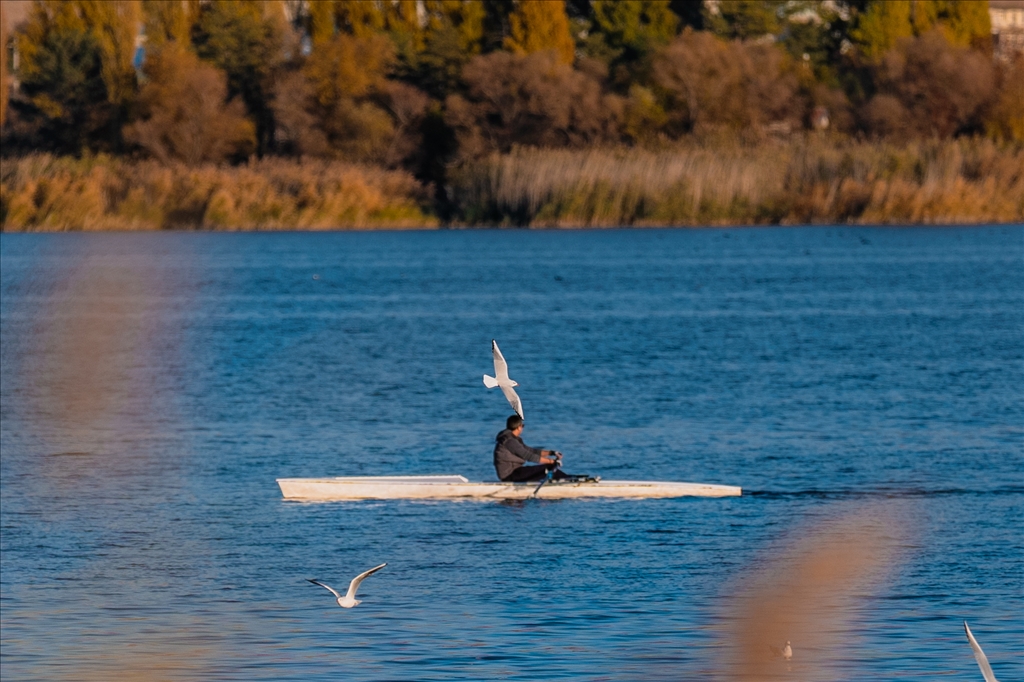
(455, 487)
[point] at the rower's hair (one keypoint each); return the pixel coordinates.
(513, 422)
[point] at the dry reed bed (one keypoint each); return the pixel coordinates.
(803, 181)
(797, 182)
(45, 193)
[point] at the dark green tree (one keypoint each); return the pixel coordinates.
(744, 19)
(815, 35)
(237, 37)
(439, 66)
(634, 26)
(624, 34)
(63, 96)
(690, 13)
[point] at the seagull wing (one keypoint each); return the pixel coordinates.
(979, 655)
(354, 585)
(317, 582)
(500, 366)
(513, 400)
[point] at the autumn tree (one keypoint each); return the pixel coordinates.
(530, 99)
(1005, 121)
(341, 104)
(245, 39)
(881, 26)
(927, 87)
(184, 115)
(167, 20)
(884, 23)
(716, 83)
(966, 23)
(540, 25)
(364, 19)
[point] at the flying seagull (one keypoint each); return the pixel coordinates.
(349, 600)
(501, 380)
(986, 669)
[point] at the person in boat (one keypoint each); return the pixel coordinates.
(511, 456)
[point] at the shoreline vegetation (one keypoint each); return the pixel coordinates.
(808, 180)
(350, 114)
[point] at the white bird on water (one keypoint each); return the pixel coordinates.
(501, 380)
(785, 652)
(349, 600)
(979, 655)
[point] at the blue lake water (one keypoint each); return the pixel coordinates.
(155, 385)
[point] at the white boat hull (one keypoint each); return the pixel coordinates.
(457, 487)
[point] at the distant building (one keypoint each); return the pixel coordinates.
(1007, 18)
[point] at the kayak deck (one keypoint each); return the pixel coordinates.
(456, 487)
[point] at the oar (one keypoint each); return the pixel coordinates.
(547, 477)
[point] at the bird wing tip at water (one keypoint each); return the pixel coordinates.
(979, 656)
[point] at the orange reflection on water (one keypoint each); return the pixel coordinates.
(805, 591)
(93, 338)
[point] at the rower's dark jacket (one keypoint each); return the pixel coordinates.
(510, 453)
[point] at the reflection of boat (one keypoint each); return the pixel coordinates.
(452, 487)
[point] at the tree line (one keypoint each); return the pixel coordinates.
(422, 85)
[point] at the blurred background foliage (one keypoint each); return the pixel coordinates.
(431, 88)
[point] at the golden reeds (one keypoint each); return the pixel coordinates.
(46, 193)
(803, 180)
(792, 182)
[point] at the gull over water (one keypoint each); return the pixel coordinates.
(501, 380)
(349, 600)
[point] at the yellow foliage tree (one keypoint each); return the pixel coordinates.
(401, 20)
(358, 113)
(361, 18)
(882, 26)
(966, 23)
(465, 16)
(924, 15)
(115, 24)
(183, 112)
(348, 67)
(321, 20)
(169, 20)
(539, 25)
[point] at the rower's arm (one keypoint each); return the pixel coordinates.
(520, 449)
